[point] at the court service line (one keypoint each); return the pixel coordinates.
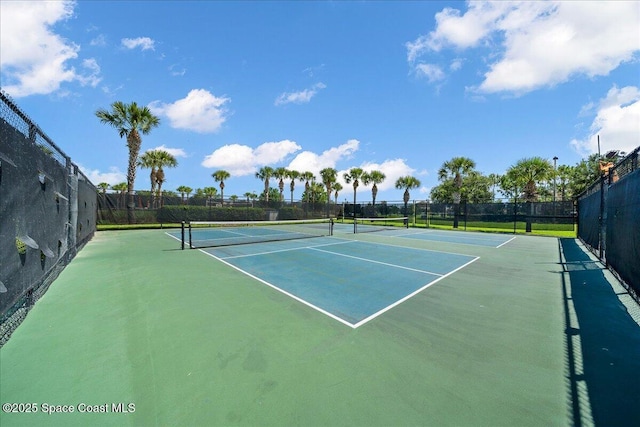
(289, 294)
(506, 242)
(284, 250)
(400, 301)
(458, 240)
(378, 262)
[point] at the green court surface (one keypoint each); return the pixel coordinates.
(531, 333)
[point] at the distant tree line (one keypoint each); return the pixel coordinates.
(529, 179)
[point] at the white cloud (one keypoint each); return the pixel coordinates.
(312, 162)
(175, 70)
(617, 121)
(393, 169)
(301, 97)
(240, 160)
(144, 43)
(432, 72)
(537, 44)
(34, 59)
(93, 78)
(200, 111)
(99, 40)
(176, 152)
(113, 177)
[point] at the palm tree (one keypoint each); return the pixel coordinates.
(337, 188)
(211, 193)
(280, 174)
(130, 121)
(159, 159)
(183, 189)
(103, 186)
(233, 198)
(250, 195)
(164, 160)
(329, 176)
(531, 172)
(456, 168)
(494, 179)
(306, 177)
(292, 175)
(264, 174)
(354, 176)
(375, 177)
(121, 188)
(220, 176)
(148, 161)
(408, 183)
(527, 173)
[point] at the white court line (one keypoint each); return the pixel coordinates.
(333, 316)
(453, 238)
(284, 250)
(378, 262)
(506, 242)
(407, 247)
(171, 235)
(400, 301)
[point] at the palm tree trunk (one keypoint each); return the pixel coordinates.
(133, 141)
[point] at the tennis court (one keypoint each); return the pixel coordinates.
(369, 329)
(364, 280)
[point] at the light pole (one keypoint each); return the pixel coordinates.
(555, 159)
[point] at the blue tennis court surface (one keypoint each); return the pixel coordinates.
(350, 281)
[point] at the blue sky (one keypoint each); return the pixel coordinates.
(399, 87)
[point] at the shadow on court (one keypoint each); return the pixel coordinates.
(604, 363)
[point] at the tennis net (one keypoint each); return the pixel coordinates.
(368, 225)
(204, 234)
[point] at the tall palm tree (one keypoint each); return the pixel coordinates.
(531, 172)
(280, 174)
(292, 175)
(130, 121)
(337, 188)
(159, 159)
(457, 169)
(183, 189)
(220, 176)
(121, 188)
(210, 193)
(354, 175)
(306, 177)
(165, 160)
(329, 177)
(494, 179)
(264, 174)
(408, 183)
(526, 174)
(103, 186)
(148, 161)
(250, 195)
(375, 177)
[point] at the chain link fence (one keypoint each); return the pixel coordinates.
(47, 213)
(609, 220)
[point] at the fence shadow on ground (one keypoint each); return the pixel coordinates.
(603, 344)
